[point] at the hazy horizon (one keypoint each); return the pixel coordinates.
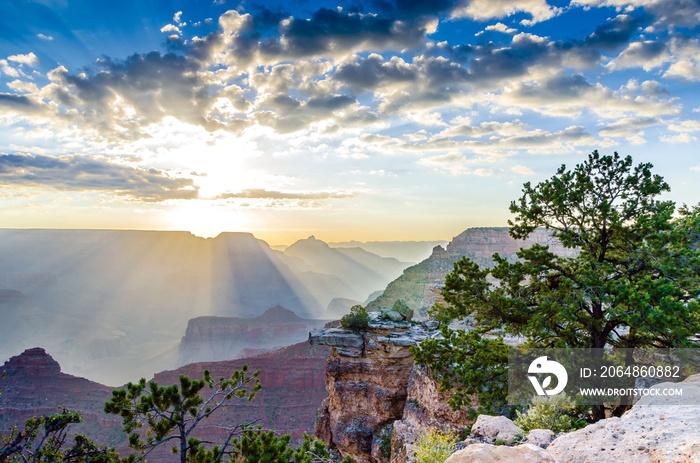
(271, 244)
(367, 120)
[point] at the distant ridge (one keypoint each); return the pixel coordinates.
(420, 284)
(212, 338)
(405, 251)
(111, 303)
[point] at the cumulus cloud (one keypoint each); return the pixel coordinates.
(500, 27)
(628, 127)
(171, 29)
(680, 138)
(334, 71)
(29, 59)
(667, 13)
(482, 10)
(572, 94)
(85, 173)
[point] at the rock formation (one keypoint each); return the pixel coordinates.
(292, 378)
(496, 428)
(211, 338)
(651, 432)
(419, 285)
(426, 407)
(33, 385)
(658, 429)
(377, 400)
(112, 305)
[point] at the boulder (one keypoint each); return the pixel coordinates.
(496, 428)
(487, 453)
(648, 433)
(540, 437)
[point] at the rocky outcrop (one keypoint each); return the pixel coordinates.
(366, 378)
(209, 339)
(419, 285)
(377, 400)
(426, 407)
(540, 437)
(650, 432)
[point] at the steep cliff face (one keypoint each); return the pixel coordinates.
(210, 339)
(426, 407)
(373, 387)
(293, 388)
(420, 284)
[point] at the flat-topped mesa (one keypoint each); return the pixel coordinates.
(367, 374)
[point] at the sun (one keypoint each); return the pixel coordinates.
(205, 218)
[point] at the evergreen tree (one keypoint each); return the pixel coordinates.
(43, 439)
(172, 413)
(634, 282)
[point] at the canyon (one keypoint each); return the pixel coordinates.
(114, 305)
(293, 387)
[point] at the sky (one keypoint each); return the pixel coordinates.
(366, 120)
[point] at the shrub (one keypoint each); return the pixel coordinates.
(556, 413)
(435, 446)
(357, 319)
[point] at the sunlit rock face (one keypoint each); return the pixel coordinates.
(419, 285)
(374, 390)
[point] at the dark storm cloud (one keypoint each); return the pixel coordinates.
(83, 173)
(259, 193)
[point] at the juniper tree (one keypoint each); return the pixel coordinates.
(634, 281)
